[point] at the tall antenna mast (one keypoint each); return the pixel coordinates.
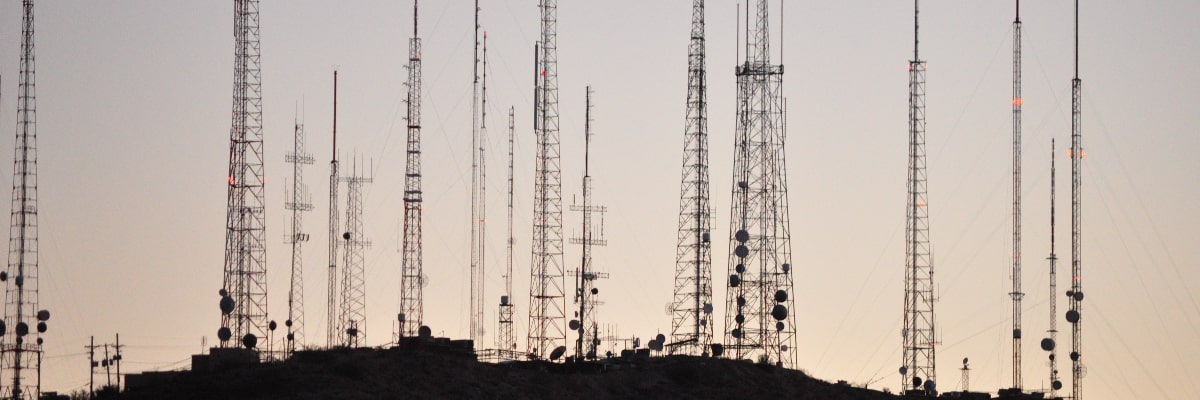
(691, 307)
(1016, 293)
(759, 299)
(17, 352)
(354, 293)
(547, 300)
(1051, 344)
(333, 331)
(1076, 293)
(477, 194)
(506, 341)
(412, 278)
(298, 203)
(244, 290)
(919, 363)
(586, 292)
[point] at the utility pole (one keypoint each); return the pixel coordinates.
(91, 347)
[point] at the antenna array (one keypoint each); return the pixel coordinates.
(411, 315)
(591, 235)
(298, 203)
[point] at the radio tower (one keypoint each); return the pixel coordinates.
(1076, 292)
(477, 194)
(298, 203)
(1016, 293)
(547, 300)
(411, 277)
(506, 341)
(354, 293)
(333, 333)
(244, 294)
(759, 299)
(21, 295)
(919, 369)
(691, 325)
(1051, 344)
(586, 291)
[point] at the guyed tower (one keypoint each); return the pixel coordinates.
(412, 277)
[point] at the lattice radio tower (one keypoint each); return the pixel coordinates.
(244, 293)
(478, 188)
(547, 299)
(332, 333)
(1076, 293)
(17, 353)
(588, 337)
(506, 340)
(1016, 293)
(354, 291)
(759, 298)
(412, 306)
(919, 364)
(1050, 344)
(298, 202)
(691, 308)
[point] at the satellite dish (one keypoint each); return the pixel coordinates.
(741, 251)
(1047, 344)
(1070, 293)
(272, 325)
(41, 327)
(595, 291)
(1056, 385)
(424, 332)
(741, 301)
(40, 341)
(221, 292)
(1072, 316)
(3, 276)
(780, 312)
(346, 236)
(708, 308)
(787, 268)
(717, 349)
(779, 326)
(930, 386)
(734, 280)
(740, 268)
(964, 362)
(291, 336)
(227, 304)
(22, 329)
(916, 381)
(741, 236)
(400, 317)
(637, 342)
(20, 281)
(740, 319)
(1074, 354)
(557, 353)
(743, 185)
(574, 325)
(224, 334)
(781, 296)
(736, 333)
(903, 370)
(661, 338)
(288, 323)
(43, 315)
(703, 322)
(1078, 296)
(249, 340)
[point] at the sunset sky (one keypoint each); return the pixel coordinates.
(134, 102)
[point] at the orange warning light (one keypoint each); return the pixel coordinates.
(1018, 101)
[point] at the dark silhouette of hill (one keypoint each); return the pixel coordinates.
(420, 374)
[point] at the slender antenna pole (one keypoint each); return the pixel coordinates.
(1016, 293)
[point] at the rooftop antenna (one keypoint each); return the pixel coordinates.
(759, 300)
(1016, 293)
(506, 341)
(918, 371)
(333, 323)
(1050, 344)
(354, 292)
(244, 290)
(412, 278)
(547, 300)
(691, 309)
(588, 337)
(477, 190)
(18, 352)
(1076, 293)
(298, 202)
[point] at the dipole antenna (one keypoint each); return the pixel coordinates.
(1016, 294)
(691, 309)
(584, 323)
(298, 202)
(759, 301)
(918, 371)
(477, 194)
(1076, 293)
(18, 351)
(354, 293)
(506, 341)
(547, 299)
(333, 325)
(244, 290)
(1050, 344)
(412, 278)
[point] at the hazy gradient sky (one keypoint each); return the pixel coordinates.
(134, 115)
